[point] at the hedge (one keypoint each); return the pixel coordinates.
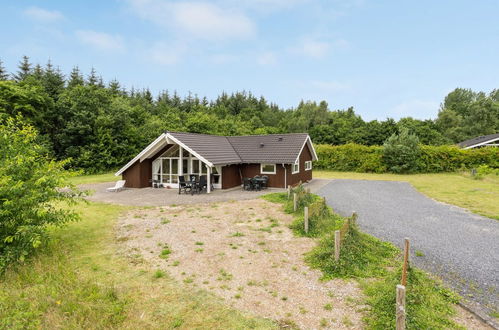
(359, 158)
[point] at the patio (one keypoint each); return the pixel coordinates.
(164, 196)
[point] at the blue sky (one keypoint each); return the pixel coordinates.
(384, 58)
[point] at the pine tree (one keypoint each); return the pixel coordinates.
(114, 87)
(38, 72)
(3, 72)
(53, 80)
(100, 82)
(75, 78)
(92, 78)
(24, 69)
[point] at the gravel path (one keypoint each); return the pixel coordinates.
(460, 247)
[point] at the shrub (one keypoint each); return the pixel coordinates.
(30, 194)
(431, 159)
(401, 152)
(350, 157)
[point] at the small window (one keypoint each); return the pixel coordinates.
(308, 165)
(267, 168)
(296, 168)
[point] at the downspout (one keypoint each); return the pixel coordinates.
(285, 176)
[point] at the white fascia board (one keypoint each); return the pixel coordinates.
(180, 143)
(311, 146)
(143, 152)
(482, 143)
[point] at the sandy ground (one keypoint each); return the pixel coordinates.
(244, 252)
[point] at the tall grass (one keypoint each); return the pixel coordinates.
(81, 282)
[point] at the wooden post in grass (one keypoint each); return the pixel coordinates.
(305, 218)
(400, 308)
(406, 262)
(337, 245)
(294, 202)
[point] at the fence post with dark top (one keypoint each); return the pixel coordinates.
(406, 262)
(294, 202)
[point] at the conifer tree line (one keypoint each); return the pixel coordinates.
(101, 125)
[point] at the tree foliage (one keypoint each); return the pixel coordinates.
(401, 152)
(102, 126)
(29, 192)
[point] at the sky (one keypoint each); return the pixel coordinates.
(383, 58)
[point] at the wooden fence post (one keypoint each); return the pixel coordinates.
(400, 308)
(289, 191)
(406, 262)
(337, 245)
(305, 218)
(294, 202)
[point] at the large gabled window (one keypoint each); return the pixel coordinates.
(267, 168)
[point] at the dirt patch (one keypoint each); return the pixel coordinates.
(244, 252)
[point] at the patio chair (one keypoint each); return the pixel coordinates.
(118, 186)
(247, 184)
(182, 185)
(200, 186)
(256, 184)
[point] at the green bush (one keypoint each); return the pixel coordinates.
(432, 159)
(29, 193)
(350, 157)
(401, 152)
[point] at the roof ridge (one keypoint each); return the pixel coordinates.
(235, 150)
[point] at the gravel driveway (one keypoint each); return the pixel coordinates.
(460, 247)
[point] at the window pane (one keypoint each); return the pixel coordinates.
(174, 178)
(203, 169)
(174, 166)
(185, 153)
(185, 166)
(268, 168)
(166, 166)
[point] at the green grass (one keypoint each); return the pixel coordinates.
(80, 281)
(94, 178)
(376, 265)
(479, 196)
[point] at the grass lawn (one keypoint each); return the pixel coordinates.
(376, 265)
(478, 196)
(95, 178)
(80, 281)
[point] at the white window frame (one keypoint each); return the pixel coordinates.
(262, 165)
(309, 167)
(293, 168)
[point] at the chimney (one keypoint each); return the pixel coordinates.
(262, 145)
(279, 138)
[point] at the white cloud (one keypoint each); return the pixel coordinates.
(43, 15)
(100, 40)
(223, 58)
(166, 54)
(315, 48)
(197, 19)
(419, 109)
(267, 58)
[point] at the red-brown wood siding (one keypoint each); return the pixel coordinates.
(230, 176)
(138, 175)
(302, 175)
(275, 180)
